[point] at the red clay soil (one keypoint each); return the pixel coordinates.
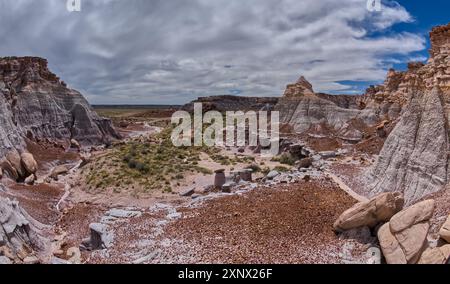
(38, 200)
(45, 154)
(323, 144)
(75, 222)
(288, 224)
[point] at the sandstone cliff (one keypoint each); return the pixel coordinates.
(35, 103)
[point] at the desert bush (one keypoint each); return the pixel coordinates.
(127, 158)
(286, 159)
(132, 164)
(281, 169)
(255, 168)
(143, 168)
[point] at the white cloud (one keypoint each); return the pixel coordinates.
(159, 51)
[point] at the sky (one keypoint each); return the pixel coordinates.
(173, 51)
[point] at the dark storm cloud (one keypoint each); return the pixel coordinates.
(171, 51)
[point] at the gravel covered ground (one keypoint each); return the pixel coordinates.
(284, 224)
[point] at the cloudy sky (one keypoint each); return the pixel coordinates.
(172, 51)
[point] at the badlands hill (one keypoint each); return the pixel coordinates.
(36, 104)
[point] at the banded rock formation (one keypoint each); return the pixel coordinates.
(35, 103)
(414, 159)
(344, 116)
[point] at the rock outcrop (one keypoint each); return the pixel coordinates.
(301, 88)
(36, 104)
(414, 159)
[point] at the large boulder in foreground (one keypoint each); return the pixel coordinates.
(437, 255)
(404, 238)
(392, 251)
(418, 213)
(371, 213)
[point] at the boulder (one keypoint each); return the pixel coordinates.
(272, 174)
(100, 237)
(123, 213)
(228, 186)
(187, 192)
(245, 175)
(74, 255)
(31, 260)
(444, 232)
(415, 214)
(4, 260)
(75, 144)
(59, 170)
(304, 163)
(195, 196)
(373, 256)
(437, 255)
(30, 180)
(407, 231)
(14, 159)
(29, 163)
(413, 241)
(328, 154)
(392, 251)
(371, 213)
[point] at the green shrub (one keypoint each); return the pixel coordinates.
(132, 164)
(255, 168)
(287, 159)
(143, 168)
(281, 169)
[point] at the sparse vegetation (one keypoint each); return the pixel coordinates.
(286, 159)
(281, 169)
(152, 165)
